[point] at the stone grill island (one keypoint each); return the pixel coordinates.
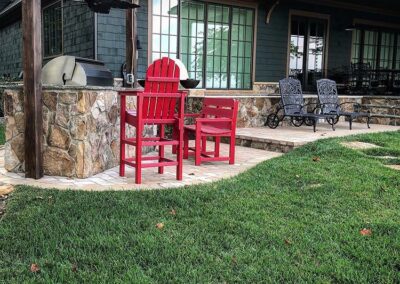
(81, 129)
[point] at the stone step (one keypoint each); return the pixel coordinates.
(266, 144)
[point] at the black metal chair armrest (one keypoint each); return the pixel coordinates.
(317, 106)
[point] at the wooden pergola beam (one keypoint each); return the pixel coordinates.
(131, 41)
(32, 63)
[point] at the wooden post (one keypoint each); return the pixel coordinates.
(32, 62)
(131, 42)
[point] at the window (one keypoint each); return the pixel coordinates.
(165, 28)
(52, 30)
(378, 48)
(192, 38)
(307, 50)
(215, 41)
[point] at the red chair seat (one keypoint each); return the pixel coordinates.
(209, 129)
(131, 112)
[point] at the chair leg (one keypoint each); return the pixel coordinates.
(217, 146)
(351, 123)
(138, 158)
(179, 156)
(174, 137)
(161, 150)
(315, 124)
(198, 148)
(232, 150)
(122, 150)
(186, 145)
(369, 122)
(204, 145)
(121, 159)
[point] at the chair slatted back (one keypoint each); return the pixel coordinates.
(328, 95)
(291, 96)
(162, 77)
(221, 108)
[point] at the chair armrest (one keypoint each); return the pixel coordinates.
(130, 92)
(317, 105)
(213, 120)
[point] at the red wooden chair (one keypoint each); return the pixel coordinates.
(217, 119)
(156, 105)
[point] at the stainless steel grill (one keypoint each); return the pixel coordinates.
(75, 71)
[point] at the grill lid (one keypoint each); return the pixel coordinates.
(75, 71)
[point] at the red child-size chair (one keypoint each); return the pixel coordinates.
(217, 119)
(156, 105)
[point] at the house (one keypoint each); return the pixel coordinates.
(238, 46)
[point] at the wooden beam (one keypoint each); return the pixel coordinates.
(32, 62)
(131, 42)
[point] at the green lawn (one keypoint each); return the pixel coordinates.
(2, 136)
(296, 218)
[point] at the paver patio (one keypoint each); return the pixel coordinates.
(110, 179)
(246, 158)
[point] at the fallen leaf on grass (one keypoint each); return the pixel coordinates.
(366, 232)
(172, 212)
(160, 226)
(74, 267)
(35, 268)
(316, 159)
(288, 242)
(234, 260)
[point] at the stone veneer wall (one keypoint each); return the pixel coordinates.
(81, 131)
(253, 111)
(393, 102)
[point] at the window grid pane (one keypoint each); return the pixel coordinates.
(215, 41)
(218, 30)
(192, 38)
(398, 53)
(165, 29)
(52, 30)
(371, 49)
(241, 48)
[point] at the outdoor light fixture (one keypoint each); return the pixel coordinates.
(350, 29)
(104, 6)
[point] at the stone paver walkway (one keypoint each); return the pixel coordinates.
(110, 180)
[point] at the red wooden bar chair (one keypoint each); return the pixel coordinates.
(156, 105)
(217, 119)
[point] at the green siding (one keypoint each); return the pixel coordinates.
(272, 42)
(111, 44)
(78, 30)
(272, 38)
(11, 50)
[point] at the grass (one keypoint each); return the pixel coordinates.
(2, 135)
(291, 219)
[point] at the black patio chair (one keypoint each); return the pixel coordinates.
(329, 103)
(292, 106)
